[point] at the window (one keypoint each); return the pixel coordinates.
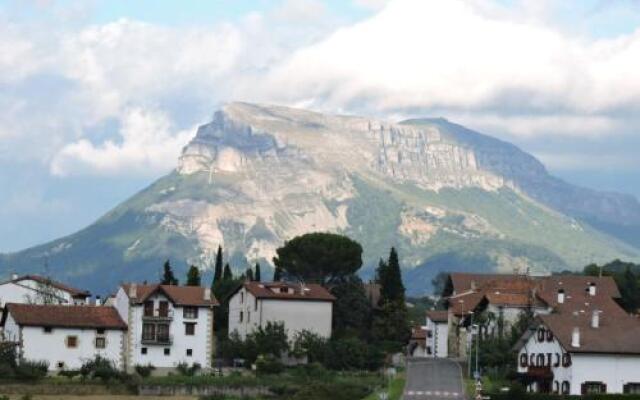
(148, 332)
(167, 351)
(594, 388)
(241, 316)
(162, 333)
(101, 343)
(163, 309)
(631, 388)
(565, 387)
(429, 350)
(72, 342)
(148, 308)
(241, 297)
(190, 312)
(189, 352)
(48, 329)
(143, 350)
(189, 328)
(100, 331)
(284, 290)
(429, 334)
(60, 364)
(255, 304)
(248, 316)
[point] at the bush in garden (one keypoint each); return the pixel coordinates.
(185, 369)
(144, 370)
(100, 368)
(268, 365)
(31, 370)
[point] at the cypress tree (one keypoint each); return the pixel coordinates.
(167, 275)
(256, 276)
(392, 288)
(217, 275)
(193, 276)
(249, 274)
(227, 275)
(277, 274)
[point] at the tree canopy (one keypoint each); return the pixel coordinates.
(167, 275)
(217, 274)
(319, 257)
(193, 276)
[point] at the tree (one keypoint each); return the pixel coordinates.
(257, 275)
(227, 274)
(249, 274)
(390, 277)
(319, 257)
(352, 309)
(277, 274)
(217, 275)
(167, 275)
(391, 320)
(193, 276)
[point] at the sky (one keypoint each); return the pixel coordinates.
(97, 97)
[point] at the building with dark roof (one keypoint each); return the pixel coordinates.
(300, 307)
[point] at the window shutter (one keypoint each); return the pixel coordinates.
(583, 389)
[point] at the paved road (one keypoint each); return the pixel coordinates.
(433, 379)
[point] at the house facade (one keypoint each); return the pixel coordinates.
(35, 289)
(299, 307)
(437, 328)
(591, 351)
(65, 336)
(167, 325)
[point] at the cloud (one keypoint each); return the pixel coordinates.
(148, 147)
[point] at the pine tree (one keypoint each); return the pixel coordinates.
(391, 322)
(391, 280)
(217, 275)
(249, 274)
(167, 276)
(193, 276)
(256, 275)
(277, 274)
(227, 275)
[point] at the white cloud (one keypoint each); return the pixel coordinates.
(148, 147)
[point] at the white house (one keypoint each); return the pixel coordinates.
(167, 325)
(594, 349)
(299, 307)
(437, 334)
(65, 336)
(35, 289)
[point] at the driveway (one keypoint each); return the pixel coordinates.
(432, 378)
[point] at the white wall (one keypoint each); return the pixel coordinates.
(297, 315)
(613, 370)
(201, 343)
(22, 293)
(439, 338)
(51, 347)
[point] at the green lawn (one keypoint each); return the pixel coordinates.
(396, 387)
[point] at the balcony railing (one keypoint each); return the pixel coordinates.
(159, 340)
(157, 315)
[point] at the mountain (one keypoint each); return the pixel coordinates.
(445, 196)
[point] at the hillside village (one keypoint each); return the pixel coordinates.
(564, 334)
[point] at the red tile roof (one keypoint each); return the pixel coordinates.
(311, 291)
(418, 333)
(179, 295)
(60, 286)
(617, 334)
(64, 316)
(438, 316)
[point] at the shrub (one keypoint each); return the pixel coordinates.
(311, 345)
(144, 370)
(70, 373)
(31, 370)
(185, 370)
(268, 365)
(100, 368)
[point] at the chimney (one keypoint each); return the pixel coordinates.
(473, 285)
(592, 289)
(595, 319)
(560, 296)
(575, 337)
(133, 290)
(98, 301)
(207, 293)
(14, 277)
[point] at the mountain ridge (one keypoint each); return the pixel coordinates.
(257, 175)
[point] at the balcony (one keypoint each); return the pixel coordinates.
(157, 315)
(161, 340)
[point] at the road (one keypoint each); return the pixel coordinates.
(433, 379)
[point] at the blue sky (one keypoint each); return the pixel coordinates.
(97, 97)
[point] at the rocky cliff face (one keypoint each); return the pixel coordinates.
(446, 197)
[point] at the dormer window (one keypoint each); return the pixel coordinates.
(284, 290)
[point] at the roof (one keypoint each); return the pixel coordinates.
(616, 334)
(462, 304)
(310, 292)
(65, 316)
(438, 315)
(74, 292)
(179, 295)
(418, 333)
